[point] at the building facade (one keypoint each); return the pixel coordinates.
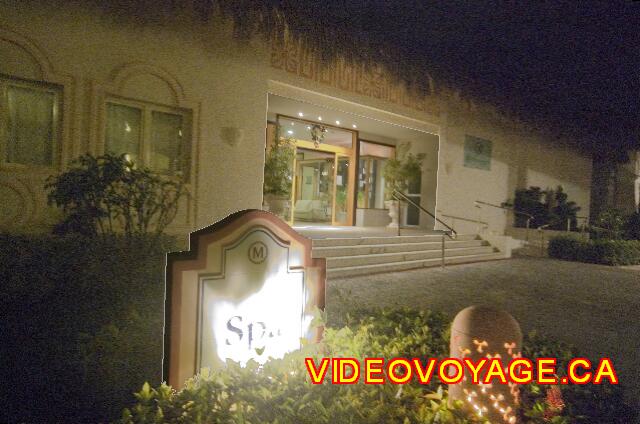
(191, 102)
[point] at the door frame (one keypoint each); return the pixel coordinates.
(350, 153)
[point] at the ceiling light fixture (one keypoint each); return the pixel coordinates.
(319, 118)
(354, 126)
(337, 122)
(300, 114)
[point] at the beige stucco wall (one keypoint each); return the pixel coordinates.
(520, 159)
(225, 84)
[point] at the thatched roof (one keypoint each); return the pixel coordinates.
(571, 67)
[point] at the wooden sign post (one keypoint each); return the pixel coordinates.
(246, 290)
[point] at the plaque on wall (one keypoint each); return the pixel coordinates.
(477, 153)
(246, 289)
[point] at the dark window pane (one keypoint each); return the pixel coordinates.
(169, 144)
(30, 126)
(123, 131)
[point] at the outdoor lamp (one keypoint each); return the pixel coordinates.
(482, 332)
(231, 135)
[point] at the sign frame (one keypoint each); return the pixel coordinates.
(185, 271)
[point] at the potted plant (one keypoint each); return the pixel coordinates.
(399, 172)
(278, 175)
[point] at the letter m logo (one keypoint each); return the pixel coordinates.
(258, 252)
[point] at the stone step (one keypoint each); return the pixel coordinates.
(352, 271)
(337, 251)
(356, 241)
(384, 258)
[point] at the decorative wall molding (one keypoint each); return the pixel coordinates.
(123, 73)
(37, 55)
(24, 207)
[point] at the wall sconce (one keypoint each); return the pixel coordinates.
(232, 135)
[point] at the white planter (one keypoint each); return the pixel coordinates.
(392, 205)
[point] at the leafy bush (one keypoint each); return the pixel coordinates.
(600, 251)
(402, 171)
(632, 227)
(610, 224)
(548, 207)
(281, 393)
(108, 194)
(614, 224)
(278, 166)
(81, 325)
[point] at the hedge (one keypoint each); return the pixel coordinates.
(81, 325)
(280, 392)
(606, 252)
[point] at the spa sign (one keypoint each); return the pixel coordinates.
(246, 289)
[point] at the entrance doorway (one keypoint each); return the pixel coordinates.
(325, 167)
(323, 175)
(321, 188)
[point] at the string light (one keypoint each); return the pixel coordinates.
(496, 401)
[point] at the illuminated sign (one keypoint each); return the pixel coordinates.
(245, 290)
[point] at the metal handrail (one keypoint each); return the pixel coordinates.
(461, 218)
(400, 196)
(517, 212)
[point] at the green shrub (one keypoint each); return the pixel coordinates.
(110, 194)
(600, 251)
(280, 391)
(610, 224)
(548, 207)
(632, 227)
(81, 325)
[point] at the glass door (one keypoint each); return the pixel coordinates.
(411, 213)
(343, 194)
(313, 193)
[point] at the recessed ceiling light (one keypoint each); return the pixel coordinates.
(354, 126)
(292, 123)
(319, 118)
(289, 132)
(337, 122)
(300, 114)
(308, 127)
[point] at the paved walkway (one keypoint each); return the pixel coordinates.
(594, 307)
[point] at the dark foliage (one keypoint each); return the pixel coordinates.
(601, 251)
(109, 194)
(614, 224)
(548, 207)
(280, 392)
(632, 227)
(81, 325)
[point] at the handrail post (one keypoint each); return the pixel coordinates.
(399, 211)
(541, 242)
(443, 250)
(526, 233)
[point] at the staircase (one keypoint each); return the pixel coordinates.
(347, 257)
